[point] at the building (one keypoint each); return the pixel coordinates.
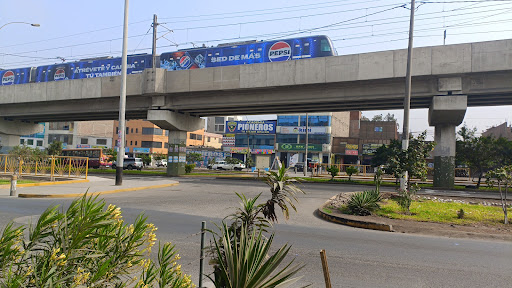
(79, 134)
(217, 124)
(501, 130)
(143, 136)
(364, 138)
(212, 140)
(322, 127)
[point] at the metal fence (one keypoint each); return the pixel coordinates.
(51, 166)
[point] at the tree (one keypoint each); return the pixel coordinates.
(478, 153)
(194, 157)
(146, 158)
(232, 160)
(159, 156)
(351, 170)
(503, 178)
(364, 118)
(334, 170)
(377, 117)
(414, 162)
(55, 148)
(111, 153)
(390, 117)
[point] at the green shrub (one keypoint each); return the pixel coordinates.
(350, 170)
(334, 170)
(189, 168)
(364, 203)
(404, 198)
(88, 245)
(460, 213)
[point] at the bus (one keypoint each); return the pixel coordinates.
(96, 157)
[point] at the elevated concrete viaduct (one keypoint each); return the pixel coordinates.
(453, 76)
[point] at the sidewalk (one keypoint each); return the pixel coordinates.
(96, 185)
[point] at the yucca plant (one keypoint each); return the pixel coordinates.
(364, 203)
(283, 190)
(88, 245)
(248, 215)
(248, 264)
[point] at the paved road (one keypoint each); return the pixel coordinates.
(357, 258)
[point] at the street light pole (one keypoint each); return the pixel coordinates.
(31, 24)
(407, 100)
(122, 101)
(307, 143)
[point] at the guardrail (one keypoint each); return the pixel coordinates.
(52, 166)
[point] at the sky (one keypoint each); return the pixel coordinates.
(73, 30)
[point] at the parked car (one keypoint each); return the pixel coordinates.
(222, 165)
(161, 163)
(130, 163)
(299, 166)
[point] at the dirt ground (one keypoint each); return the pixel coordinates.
(476, 231)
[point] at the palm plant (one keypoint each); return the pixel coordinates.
(364, 203)
(247, 264)
(283, 190)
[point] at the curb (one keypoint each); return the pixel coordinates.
(7, 186)
(74, 195)
(351, 222)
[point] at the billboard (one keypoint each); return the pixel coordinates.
(302, 130)
(251, 127)
(370, 149)
(299, 147)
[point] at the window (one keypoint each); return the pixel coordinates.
(324, 46)
(84, 141)
(192, 136)
(219, 128)
(166, 132)
(136, 130)
(219, 120)
(152, 131)
(135, 143)
(39, 143)
(30, 142)
(209, 139)
(166, 145)
(22, 141)
(64, 138)
(131, 143)
(127, 130)
(131, 130)
(199, 137)
(101, 141)
(151, 144)
(288, 120)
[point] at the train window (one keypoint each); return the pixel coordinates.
(324, 46)
(305, 50)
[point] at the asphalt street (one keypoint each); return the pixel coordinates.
(356, 257)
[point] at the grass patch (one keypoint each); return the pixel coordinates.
(8, 182)
(326, 210)
(430, 211)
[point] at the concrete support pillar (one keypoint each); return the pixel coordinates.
(177, 154)
(7, 142)
(445, 113)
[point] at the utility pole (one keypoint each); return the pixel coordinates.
(153, 50)
(407, 100)
(307, 143)
(122, 101)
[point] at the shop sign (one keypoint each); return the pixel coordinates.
(352, 147)
(140, 150)
(228, 141)
(83, 146)
(302, 130)
(251, 127)
(299, 147)
(370, 149)
(239, 150)
(262, 151)
(351, 152)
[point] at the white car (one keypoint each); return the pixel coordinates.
(222, 165)
(161, 163)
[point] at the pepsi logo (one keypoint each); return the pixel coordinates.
(60, 74)
(185, 61)
(279, 51)
(8, 78)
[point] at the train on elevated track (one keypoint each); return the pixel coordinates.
(239, 53)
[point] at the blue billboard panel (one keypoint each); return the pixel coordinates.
(251, 127)
(15, 76)
(91, 69)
